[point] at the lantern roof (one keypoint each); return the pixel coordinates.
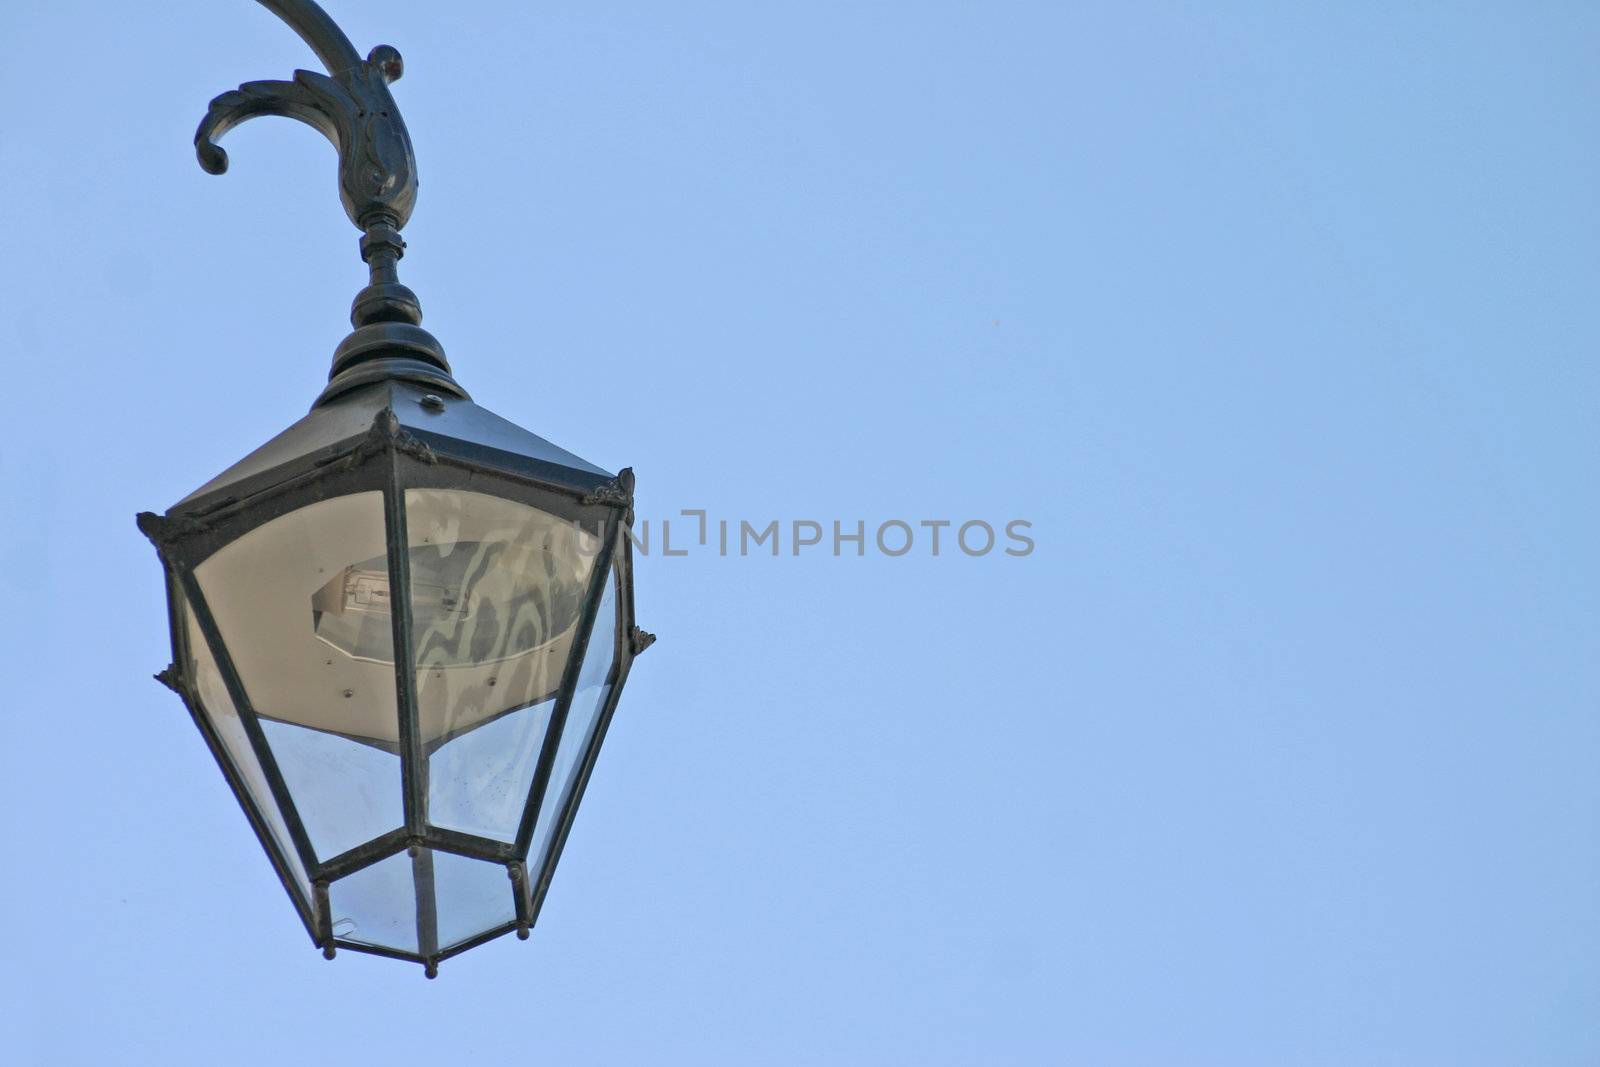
(448, 425)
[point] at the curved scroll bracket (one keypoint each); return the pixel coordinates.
(354, 109)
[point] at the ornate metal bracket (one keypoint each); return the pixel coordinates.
(352, 106)
(386, 435)
(354, 110)
(172, 677)
(164, 531)
(617, 493)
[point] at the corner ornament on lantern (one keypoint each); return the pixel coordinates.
(403, 624)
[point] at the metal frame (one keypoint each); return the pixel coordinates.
(602, 569)
(390, 461)
(176, 678)
(630, 642)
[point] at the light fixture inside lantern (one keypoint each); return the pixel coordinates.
(472, 606)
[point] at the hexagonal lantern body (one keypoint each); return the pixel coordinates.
(402, 626)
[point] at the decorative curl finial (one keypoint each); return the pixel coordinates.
(351, 106)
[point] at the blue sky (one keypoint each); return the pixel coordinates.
(1277, 322)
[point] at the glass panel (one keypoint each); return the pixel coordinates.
(473, 896)
(345, 791)
(497, 595)
(377, 905)
(479, 782)
(302, 603)
(219, 710)
(594, 686)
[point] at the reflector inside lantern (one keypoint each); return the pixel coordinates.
(462, 597)
(305, 605)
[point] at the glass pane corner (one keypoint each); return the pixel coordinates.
(473, 897)
(596, 678)
(220, 712)
(377, 905)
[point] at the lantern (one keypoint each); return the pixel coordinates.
(403, 624)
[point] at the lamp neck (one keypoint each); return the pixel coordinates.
(388, 342)
(384, 299)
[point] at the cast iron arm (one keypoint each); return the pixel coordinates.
(352, 106)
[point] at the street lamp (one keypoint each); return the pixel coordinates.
(402, 624)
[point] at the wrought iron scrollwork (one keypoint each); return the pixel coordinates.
(639, 640)
(386, 435)
(351, 105)
(617, 493)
